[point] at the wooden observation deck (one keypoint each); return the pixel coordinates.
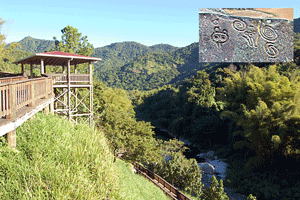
(73, 91)
(21, 96)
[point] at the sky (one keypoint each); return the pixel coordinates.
(149, 23)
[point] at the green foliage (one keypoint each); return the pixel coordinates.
(114, 113)
(264, 102)
(72, 42)
(214, 192)
(33, 45)
(297, 48)
(118, 54)
(250, 197)
(182, 172)
(5, 53)
(57, 160)
(148, 70)
(185, 111)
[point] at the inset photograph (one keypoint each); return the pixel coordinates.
(246, 35)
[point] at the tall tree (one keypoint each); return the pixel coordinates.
(72, 42)
(5, 52)
(266, 105)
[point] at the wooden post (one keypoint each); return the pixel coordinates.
(45, 68)
(32, 96)
(13, 102)
(11, 138)
(91, 72)
(22, 69)
(55, 102)
(46, 109)
(75, 91)
(91, 94)
(69, 90)
(42, 66)
(64, 89)
(51, 107)
(75, 68)
(31, 70)
(45, 88)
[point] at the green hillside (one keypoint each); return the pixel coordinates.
(153, 70)
(118, 54)
(33, 45)
(56, 159)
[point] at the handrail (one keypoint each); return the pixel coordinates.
(12, 78)
(74, 78)
(172, 192)
(17, 94)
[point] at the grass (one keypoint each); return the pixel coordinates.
(56, 159)
(135, 186)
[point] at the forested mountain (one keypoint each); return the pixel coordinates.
(163, 48)
(131, 65)
(152, 70)
(118, 54)
(113, 55)
(33, 45)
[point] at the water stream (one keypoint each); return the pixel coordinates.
(203, 157)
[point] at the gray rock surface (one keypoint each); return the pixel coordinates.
(229, 38)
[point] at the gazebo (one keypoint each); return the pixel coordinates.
(66, 84)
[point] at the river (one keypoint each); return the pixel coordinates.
(205, 157)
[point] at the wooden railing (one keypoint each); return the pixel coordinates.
(169, 189)
(15, 95)
(74, 78)
(12, 79)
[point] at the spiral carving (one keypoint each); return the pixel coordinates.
(268, 33)
(239, 25)
(215, 22)
(271, 50)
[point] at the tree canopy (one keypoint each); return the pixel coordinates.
(5, 53)
(72, 42)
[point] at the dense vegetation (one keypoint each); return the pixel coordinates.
(32, 45)
(57, 160)
(248, 115)
(117, 54)
(152, 70)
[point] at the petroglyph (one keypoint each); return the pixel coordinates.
(268, 33)
(219, 36)
(225, 37)
(251, 34)
(271, 50)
